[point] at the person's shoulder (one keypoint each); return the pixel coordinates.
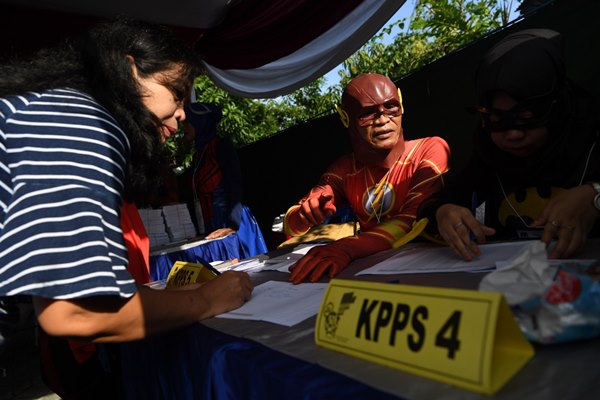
(73, 99)
(58, 101)
(341, 165)
(63, 112)
(80, 108)
(10, 105)
(429, 143)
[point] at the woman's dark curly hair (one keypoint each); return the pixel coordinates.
(99, 63)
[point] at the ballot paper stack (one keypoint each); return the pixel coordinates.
(178, 222)
(154, 223)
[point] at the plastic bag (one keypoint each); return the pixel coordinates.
(552, 301)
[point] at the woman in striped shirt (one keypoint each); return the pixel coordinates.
(81, 130)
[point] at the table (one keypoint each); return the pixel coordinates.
(199, 362)
(236, 359)
(195, 251)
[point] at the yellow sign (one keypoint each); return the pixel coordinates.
(462, 337)
(183, 273)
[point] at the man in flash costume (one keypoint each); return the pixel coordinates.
(384, 180)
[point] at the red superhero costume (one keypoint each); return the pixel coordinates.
(384, 180)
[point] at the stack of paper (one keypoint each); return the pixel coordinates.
(179, 222)
(155, 226)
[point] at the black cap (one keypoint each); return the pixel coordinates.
(526, 65)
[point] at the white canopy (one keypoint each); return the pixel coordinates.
(251, 48)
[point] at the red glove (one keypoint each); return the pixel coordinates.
(313, 210)
(335, 257)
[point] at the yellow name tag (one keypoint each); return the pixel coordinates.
(462, 337)
(184, 273)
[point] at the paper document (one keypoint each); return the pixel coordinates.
(248, 265)
(281, 303)
(430, 258)
(279, 263)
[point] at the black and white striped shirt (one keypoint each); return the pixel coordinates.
(62, 171)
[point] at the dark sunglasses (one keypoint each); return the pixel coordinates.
(524, 115)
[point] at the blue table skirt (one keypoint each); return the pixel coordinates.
(226, 248)
(198, 362)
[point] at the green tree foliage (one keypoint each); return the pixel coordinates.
(244, 120)
(435, 29)
(248, 120)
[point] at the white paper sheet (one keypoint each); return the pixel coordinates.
(281, 303)
(428, 259)
(283, 263)
(280, 263)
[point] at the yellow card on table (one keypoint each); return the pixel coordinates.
(462, 337)
(183, 273)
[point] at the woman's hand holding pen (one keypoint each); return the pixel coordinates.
(457, 226)
(226, 292)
